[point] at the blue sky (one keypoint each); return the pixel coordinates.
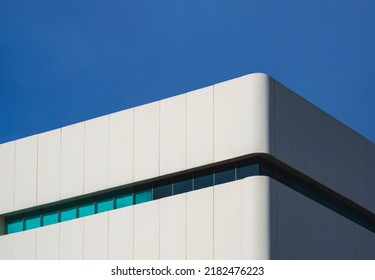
(63, 62)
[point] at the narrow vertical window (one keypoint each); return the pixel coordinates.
(142, 194)
(162, 189)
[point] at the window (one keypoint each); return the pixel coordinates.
(14, 224)
(143, 194)
(183, 184)
(203, 179)
(162, 189)
(86, 207)
(32, 220)
(224, 174)
(68, 212)
(50, 216)
(104, 203)
(123, 198)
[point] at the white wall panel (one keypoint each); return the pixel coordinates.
(7, 168)
(121, 139)
(200, 224)
(71, 240)
(227, 221)
(146, 141)
(72, 160)
(120, 234)
(26, 170)
(241, 116)
(173, 134)
(24, 244)
(173, 228)
(255, 220)
(6, 247)
(48, 186)
(95, 237)
(48, 242)
(200, 127)
(146, 231)
(96, 154)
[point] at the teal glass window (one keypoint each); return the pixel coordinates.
(162, 189)
(68, 212)
(50, 216)
(86, 207)
(183, 184)
(104, 203)
(32, 220)
(203, 179)
(123, 198)
(224, 174)
(15, 224)
(247, 169)
(143, 194)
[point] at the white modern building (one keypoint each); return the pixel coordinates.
(244, 169)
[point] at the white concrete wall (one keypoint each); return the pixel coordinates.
(7, 167)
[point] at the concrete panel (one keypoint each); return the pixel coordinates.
(24, 244)
(358, 190)
(25, 175)
(48, 242)
(334, 236)
(146, 141)
(71, 240)
(173, 134)
(173, 227)
(200, 127)
(241, 116)
(345, 163)
(121, 148)
(199, 207)
(255, 227)
(95, 237)
(227, 221)
(7, 167)
(48, 185)
(120, 234)
(370, 178)
(146, 231)
(96, 154)
(318, 230)
(330, 152)
(283, 123)
(6, 247)
(72, 160)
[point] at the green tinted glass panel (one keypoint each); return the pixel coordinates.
(224, 174)
(32, 221)
(182, 184)
(86, 207)
(247, 170)
(49, 218)
(69, 212)
(162, 189)
(123, 198)
(104, 203)
(203, 179)
(142, 195)
(14, 225)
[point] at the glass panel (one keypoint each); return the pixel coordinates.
(14, 224)
(68, 212)
(50, 217)
(143, 194)
(162, 189)
(32, 220)
(183, 184)
(104, 203)
(247, 169)
(86, 207)
(224, 174)
(203, 179)
(123, 198)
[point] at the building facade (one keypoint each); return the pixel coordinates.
(243, 169)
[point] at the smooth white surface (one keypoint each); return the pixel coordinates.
(49, 166)
(72, 160)
(173, 228)
(48, 242)
(121, 138)
(146, 141)
(120, 234)
(26, 170)
(7, 167)
(200, 231)
(95, 237)
(71, 240)
(96, 154)
(147, 231)
(173, 134)
(241, 116)
(200, 127)
(6, 247)
(24, 245)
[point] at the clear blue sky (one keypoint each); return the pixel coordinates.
(63, 62)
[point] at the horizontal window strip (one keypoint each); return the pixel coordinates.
(190, 181)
